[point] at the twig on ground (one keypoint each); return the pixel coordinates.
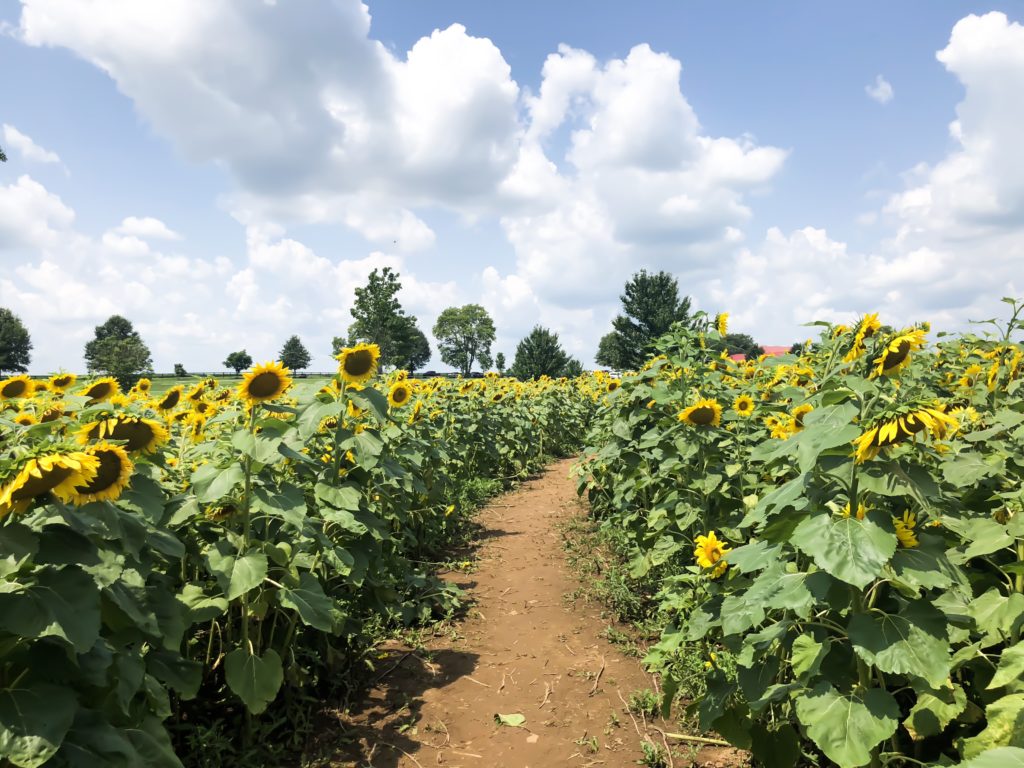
(598, 678)
(390, 669)
(628, 712)
(485, 685)
(465, 754)
(699, 739)
(668, 750)
(547, 695)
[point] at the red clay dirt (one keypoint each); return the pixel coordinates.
(522, 649)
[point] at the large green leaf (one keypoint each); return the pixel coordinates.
(1011, 668)
(254, 679)
(215, 483)
(61, 602)
(847, 727)
(997, 615)
(913, 642)
(346, 497)
(201, 607)
(236, 574)
(806, 656)
(934, 710)
(967, 469)
(1004, 727)
(309, 600)
(34, 721)
(1000, 757)
(825, 428)
(286, 502)
(852, 550)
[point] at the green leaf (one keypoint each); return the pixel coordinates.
(254, 679)
(968, 468)
(34, 721)
(215, 483)
(934, 710)
(847, 727)
(806, 656)
(852, 550)
(985, 537)
(1004, 727)
(913, 642)
(62, 602)
(183, 675)
(1011, 667)
(514, 720)
(1000, 757)
(779, 748)
(347, 497)
(775, 588)
(286, 502)
(310, 602)
(236, 575)
(753, 557)
(201, 607)
(996, 615)
(825, 428)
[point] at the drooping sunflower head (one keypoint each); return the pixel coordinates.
(497, 397)
(722, 323)
(709, 552)
(138, 434)
(16, 386)
(902, 425)
(57, 473)
(703, 413)
(264, 382)
(52, 413)
(113, 473)
(169, 400)
(415, 413)
(204, 409)
(905, 530)
(62, 381)
(896, 355)
(862, 510)
(40, 386)
(400, 394)
(358, 364)
(744, 406)
(101, 389)
(197, 392)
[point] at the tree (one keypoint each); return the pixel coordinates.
(741, 344)
(15, 343)
(412, 350)
(573, 368)
(117, 350)
(294, 355)
(464, 336)
(499, 362)
(608, 353)
(539, 354)
(650, 306)
(179, 370)
(380, 319)
(238, 361)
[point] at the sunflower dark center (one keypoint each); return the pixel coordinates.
(62, 381)
(36, 486)
(98, 390)
(702, 415)
(896, 356)
(358, 363)
(401, 395)
(136, 434)
(14, 388)
(51, 415)
(265, 384)
(108, 473)
(170, 399)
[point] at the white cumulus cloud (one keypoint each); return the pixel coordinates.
(27, 148)
(881, 91)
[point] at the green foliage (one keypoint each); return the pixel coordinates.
(293, 354)
(117, 350)
(464, 337)
(413, 349)
(539, 354)
(650, 307)
(892, 635)
(238, 361)
(499, 362)
(15, 343)
(380, 319)
(179, 370)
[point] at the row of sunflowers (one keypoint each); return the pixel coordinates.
(838, 533)
(208, 564)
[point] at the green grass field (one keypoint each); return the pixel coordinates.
(302, 386)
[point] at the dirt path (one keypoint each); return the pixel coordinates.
(521, 650)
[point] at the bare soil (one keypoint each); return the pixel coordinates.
(522, 649)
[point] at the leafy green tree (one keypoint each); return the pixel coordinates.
(464, 336)
(413, 349)
(650, 306)
(573, 368)
(238, 361)
(15, 343)
(117, 350)
(179, 370)
(739, 344)
(499, 362)
(294, 354)
(539, 354)
(380, 319)
(608, 353)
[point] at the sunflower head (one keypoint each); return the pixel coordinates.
(16, 386)
(703, 413)
(101, 389)
(54, 412)
(358, 364)
(143, 386)
(169, 400)
(25, 418)
(709, 552)
(113, 472)
(264, 382)
(400, 394)
(58, 473)
(722, 323)
(905, 530)
(744, 406)
(896, 354)
(799, 412)
(904, 424)
(138, 434)
(612, 385)
(62, 381)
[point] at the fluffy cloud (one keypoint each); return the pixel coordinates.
(27, 148)
(881, 91)
(146, 227)
(31, 216)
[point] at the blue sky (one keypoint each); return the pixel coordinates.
(271, 155)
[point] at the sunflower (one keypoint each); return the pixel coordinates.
(862, 510)
(54, 412)
(722, 323)
(743, 405)
(905, 530)
(137, 433)
(703, 413)
(25, 418)
(710, 552)
(112, 475)
(62, 381)
(101, 389)
(798, 415)
(264, 382)
(204, 409)
(612, 385)
(868, 326)
(16, 386)
(358, 364)
(58, 473)
(417, 409)
(399, 394)
(896, 355)
(497, 397)
(143, 386)
(897, 428)
(170, 399)
(40, 386)
(197, 392)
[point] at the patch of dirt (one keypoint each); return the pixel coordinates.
(519, 651)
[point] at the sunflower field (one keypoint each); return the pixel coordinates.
(210, 563)
(838, 536)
